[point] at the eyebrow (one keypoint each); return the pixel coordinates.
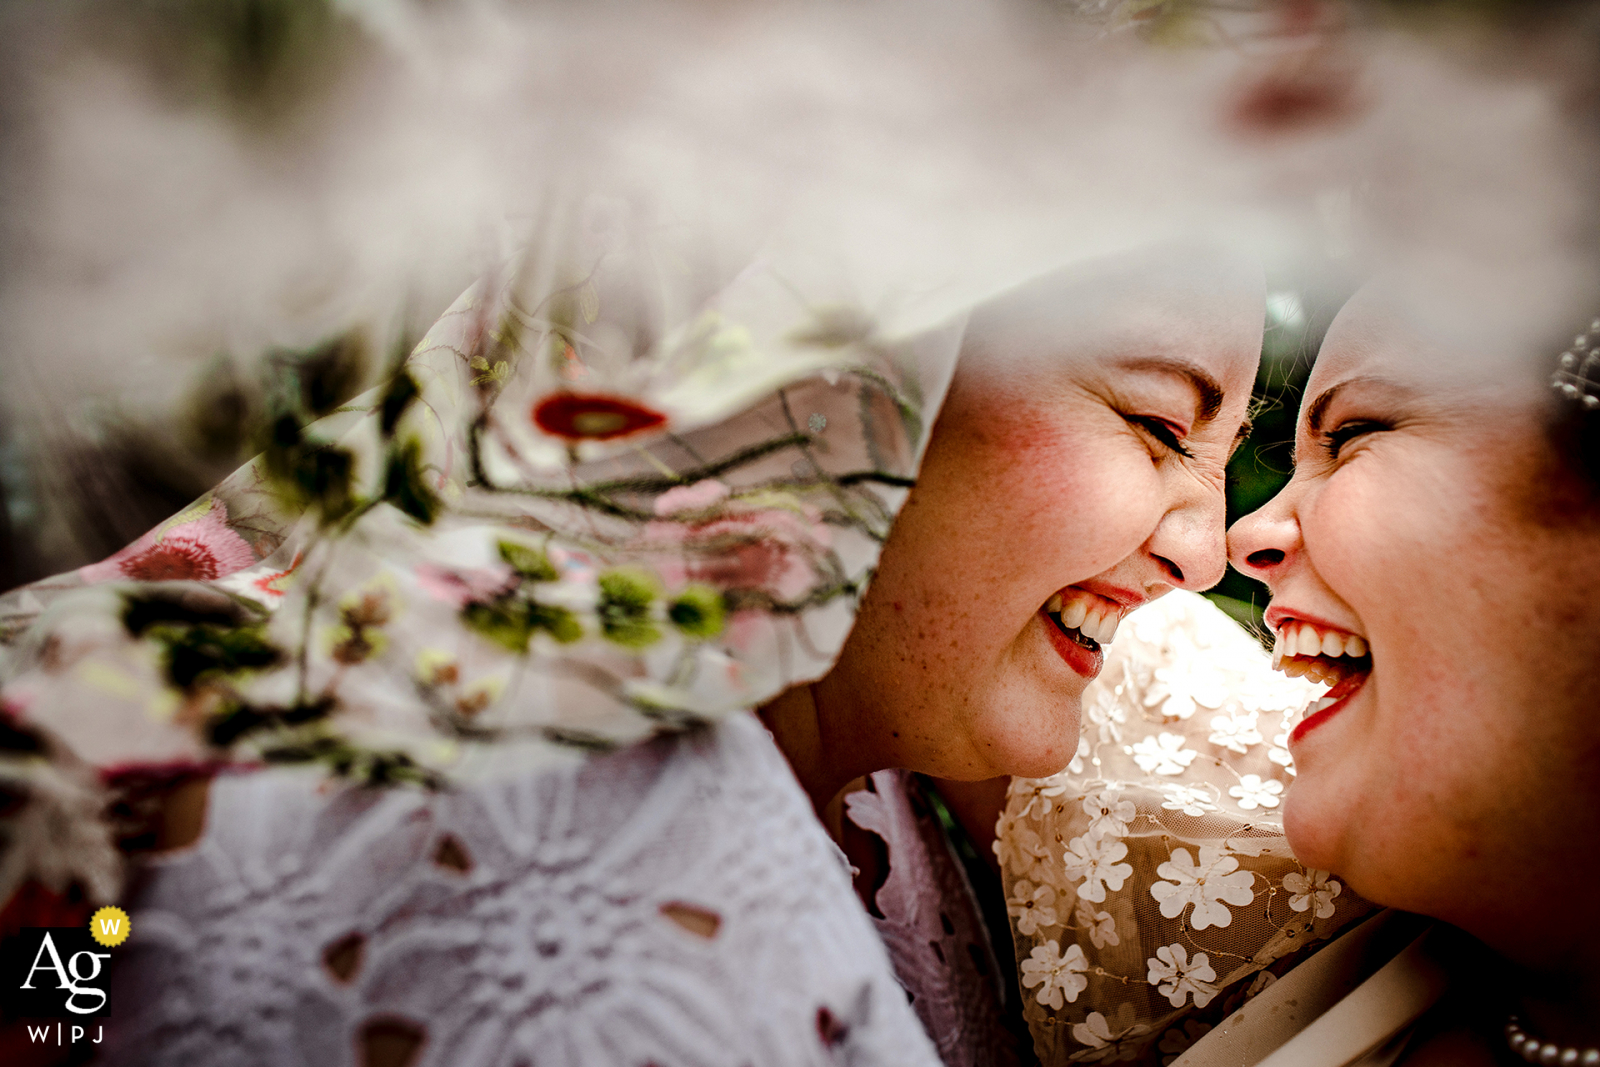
(1319, 407)
(1318, 411)
(1205, 386)
(1314, 416)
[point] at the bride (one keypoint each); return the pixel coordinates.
(1450, 769)
(540, 575)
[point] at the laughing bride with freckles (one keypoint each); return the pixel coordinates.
(582, 533)
(1075, 474)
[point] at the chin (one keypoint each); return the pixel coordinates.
(1313, 841)
(1040, 753)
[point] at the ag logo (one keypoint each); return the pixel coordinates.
(58, 972)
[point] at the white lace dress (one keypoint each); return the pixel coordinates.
(674, 903)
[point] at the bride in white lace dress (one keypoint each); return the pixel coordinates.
(533, 585)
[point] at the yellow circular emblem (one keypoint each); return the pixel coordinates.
(110, 926)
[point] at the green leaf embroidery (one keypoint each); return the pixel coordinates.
(528, 561)
(626, 594)
(698, 612)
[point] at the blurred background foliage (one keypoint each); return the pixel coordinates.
(1297, 319)
(265, 64)
(255, 58)
(114, 466)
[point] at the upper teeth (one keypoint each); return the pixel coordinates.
(1303, 639)
(1093, 616)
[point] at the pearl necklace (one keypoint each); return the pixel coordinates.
(1577, 375)
(1533, 1050)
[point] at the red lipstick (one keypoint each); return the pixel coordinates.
(1080, 658)
(1341, 694)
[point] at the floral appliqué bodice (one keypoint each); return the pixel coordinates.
(1149, 885)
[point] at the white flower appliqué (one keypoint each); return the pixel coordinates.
(1279, 752)
(1096, 862)
(1108, 816)
(1107, 715)
(1034, 907)
(1236, 732)
(1163, 755)
(1183, 686)
(1099, 925)
(1059, 977)
(1312, 890)
(1021, 850)
(1076, 766)
(1179, 977)
(1109, 1037)
(1189, 799)
(1253, 793)
(1043, 800)
(1214, 882)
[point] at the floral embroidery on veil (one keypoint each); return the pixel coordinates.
(566, 525)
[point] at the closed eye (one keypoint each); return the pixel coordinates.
(1163, 431)
(1335, 439)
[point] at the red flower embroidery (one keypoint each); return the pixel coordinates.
(1300, 92)
(199, 549)
(577, 417)
(276, 583)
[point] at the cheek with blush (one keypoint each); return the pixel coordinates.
(1100, 500)
(1064, 479)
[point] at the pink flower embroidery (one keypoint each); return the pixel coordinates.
(697, 497)
(456, 587)
(771, 549)
(198, 548)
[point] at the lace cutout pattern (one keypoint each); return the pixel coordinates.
(526, 921)
(931, 925)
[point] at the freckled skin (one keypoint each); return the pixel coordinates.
(1034, 480)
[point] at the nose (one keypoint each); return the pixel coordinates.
(1262, 543)
(1190, 543)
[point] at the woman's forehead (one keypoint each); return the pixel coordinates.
(1201, 304)
(1410, 336)
(1366, 337)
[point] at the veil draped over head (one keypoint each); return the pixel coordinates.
(601, 500)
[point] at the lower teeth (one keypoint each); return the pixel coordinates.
(1077, 635)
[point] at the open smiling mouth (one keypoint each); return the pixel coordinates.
(1334, 657)
(1086, 618)
(1080, 623)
